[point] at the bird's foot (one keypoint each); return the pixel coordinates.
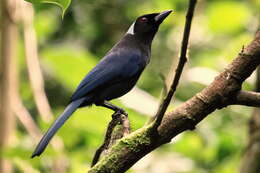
(122, 111)
(119, 112)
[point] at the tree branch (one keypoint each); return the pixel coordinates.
(247, 98)
(217, 95)
(8, 54)
(33, 64)
(182, 60)
(117, 128)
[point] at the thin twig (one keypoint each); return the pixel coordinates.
(247, 98)
(182, 60)
(17, 105)
(257, 87)
(163, 95)
(25, 118)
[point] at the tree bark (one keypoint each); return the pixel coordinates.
(251, 159)
(8, 56)
(220, 93)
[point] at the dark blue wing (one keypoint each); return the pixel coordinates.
(113, 67)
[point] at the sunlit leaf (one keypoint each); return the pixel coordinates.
(63, 4)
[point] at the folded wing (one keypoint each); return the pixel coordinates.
(113, 68)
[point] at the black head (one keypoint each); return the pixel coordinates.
(147, 25)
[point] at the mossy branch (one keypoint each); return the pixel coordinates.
(220, 93)
(117, 128)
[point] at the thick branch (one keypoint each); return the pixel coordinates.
(218, 94)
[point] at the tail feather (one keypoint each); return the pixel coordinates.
(56, 125)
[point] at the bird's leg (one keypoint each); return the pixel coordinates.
(112, 107)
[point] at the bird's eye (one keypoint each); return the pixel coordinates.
(143, 19)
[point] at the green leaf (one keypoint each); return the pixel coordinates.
(228, 17)
(63, 4)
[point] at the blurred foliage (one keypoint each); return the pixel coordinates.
(71, 46)
(63, 4)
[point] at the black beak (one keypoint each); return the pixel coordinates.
(161, 16)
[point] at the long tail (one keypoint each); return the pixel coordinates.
(56, 125)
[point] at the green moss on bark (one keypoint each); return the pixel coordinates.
(131, 143)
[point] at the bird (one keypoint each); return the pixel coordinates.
(115, 75)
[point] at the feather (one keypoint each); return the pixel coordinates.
(56, 126)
